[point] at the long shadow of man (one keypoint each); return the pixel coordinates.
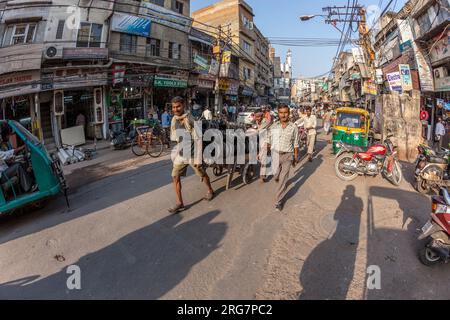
(145, 264)
(328, 271)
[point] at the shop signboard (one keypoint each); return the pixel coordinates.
(369, 87)
(162, 82)
(202, 62)
(405, 74)
(379, 75)
(201, 83)
(425, 73)
(79, 80)
(358, 55)
(247, 91)
(395, 81)
(441, 49)
(166, 17)
(356, 76)
(229, 87)
(214, 67)
(19, 83)
(85, 53)
(405, 46)
(131, 24)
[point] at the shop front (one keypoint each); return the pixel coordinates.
(246, 95)
(202, 89)
(18, 98)
(76, 100)
(166, 87)
(230, 91)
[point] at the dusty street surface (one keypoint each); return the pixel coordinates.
(236, 247)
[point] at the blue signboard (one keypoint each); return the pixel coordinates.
(131, 24)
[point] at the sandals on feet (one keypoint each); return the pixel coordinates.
(209, 196)
(177, 209)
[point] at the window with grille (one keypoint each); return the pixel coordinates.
(174, 50)
(89, 35)
(60, 30)
(153, 47)
(20, 34)
(128, 43)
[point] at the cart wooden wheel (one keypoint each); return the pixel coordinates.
(249, 173)
(218, 170)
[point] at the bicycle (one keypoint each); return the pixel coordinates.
(147, 143)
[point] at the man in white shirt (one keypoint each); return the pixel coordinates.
(207, 114)
(7, 172)
(439, 133)
(310, 122)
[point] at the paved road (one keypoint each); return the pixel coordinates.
(235, 247)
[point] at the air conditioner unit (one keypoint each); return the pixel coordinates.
(98, 105)
(52, 53)
(440, 73)
(58, 102)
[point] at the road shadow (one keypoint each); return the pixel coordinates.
(395, 250)
(302, 173)
(92, 198)
(328, 271)
(145, 264)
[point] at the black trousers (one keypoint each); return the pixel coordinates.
(17, 170)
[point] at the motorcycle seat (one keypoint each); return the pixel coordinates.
(438, 160)
(354, 148)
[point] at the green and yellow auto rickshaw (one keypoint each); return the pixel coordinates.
(46, 172)
(351, 125)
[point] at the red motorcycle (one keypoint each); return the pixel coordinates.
(352, 161)
(437, 231)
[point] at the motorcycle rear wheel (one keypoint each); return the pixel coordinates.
(428, 257)
(338, 167)
(422, 186)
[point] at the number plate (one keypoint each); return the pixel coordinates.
(427, 227)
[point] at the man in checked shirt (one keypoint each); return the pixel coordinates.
(283, 141)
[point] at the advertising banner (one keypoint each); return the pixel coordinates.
(131, 24)
(395, 81)
(405, 73)
(369, 87)
(166, 17)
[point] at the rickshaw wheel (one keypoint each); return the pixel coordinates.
(218, 170)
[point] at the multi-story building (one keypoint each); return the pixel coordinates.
(54, 65)
(110, 61)
(235, 18)
(263, 71)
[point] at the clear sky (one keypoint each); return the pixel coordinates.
(280, 18)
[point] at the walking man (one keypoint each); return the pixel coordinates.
(183, 122)
(327, 121)
(282, 139)
(310, 126)
(166, 122)
(207, 114)
(439, 134)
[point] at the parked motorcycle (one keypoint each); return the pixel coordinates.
(431, 170)
(123, 139)
(352, 161)
(437, 231)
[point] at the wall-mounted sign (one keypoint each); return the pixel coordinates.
(166, 17)
(19, 83)
(131, 24)
(395, 81)
(214, 67)
(441, 49)
(405, 46)
(85, 53)
(202, 62)
(405, 73)
(369, 87)
(169, 82)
